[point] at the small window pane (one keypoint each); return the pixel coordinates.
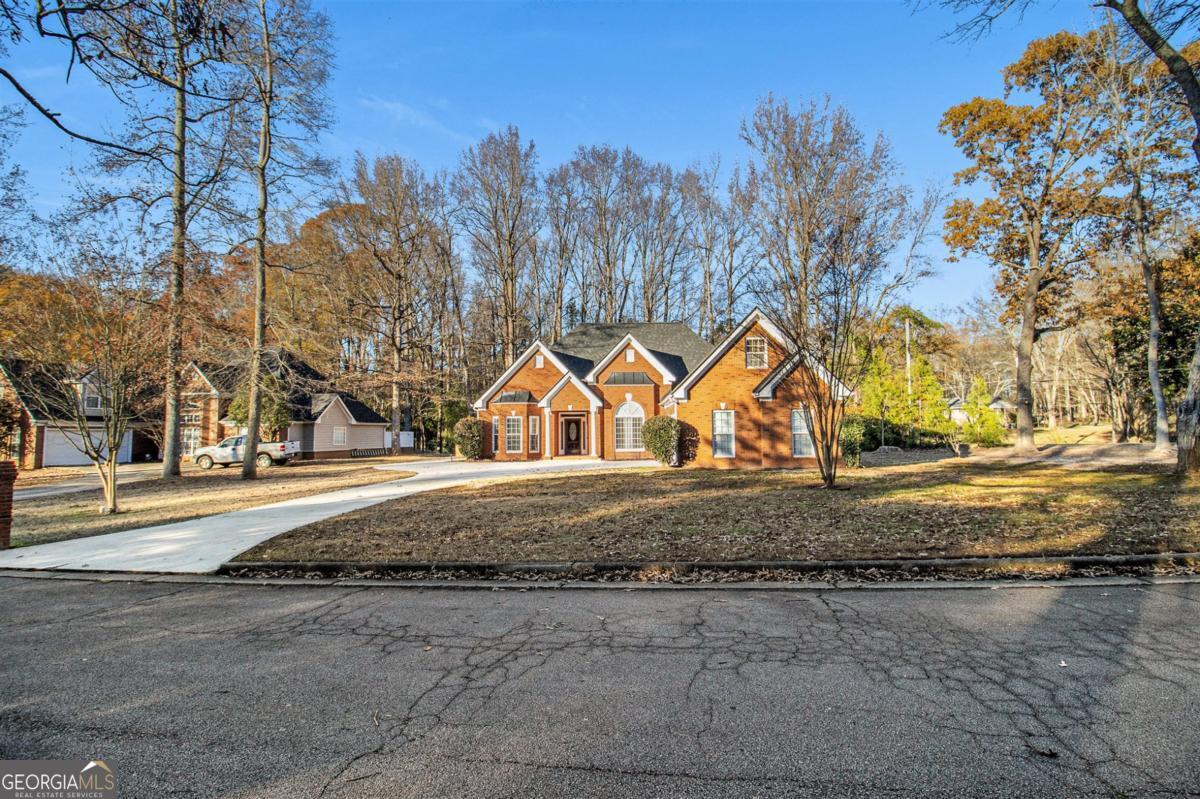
(495, 435)
(723, 444)
(512, 434)
(802, 443)
(339, 436)
(535, 434)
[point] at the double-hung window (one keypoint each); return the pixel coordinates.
(722, 434)
(512, 434)
(756, 353)
(627, 430)
(495, 434)
(802, 443)
(535, 434)
(339, 436)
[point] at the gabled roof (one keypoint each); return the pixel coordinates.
(358, 412)
(222, 379)
(572, 378)
(675, 345)
(718, 352)
(629, 340)
(534, 348)
(766, 387)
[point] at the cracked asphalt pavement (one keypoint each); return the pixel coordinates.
(245, 691)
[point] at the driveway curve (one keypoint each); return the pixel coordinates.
(200, 546)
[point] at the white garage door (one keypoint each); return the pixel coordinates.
(61, 451)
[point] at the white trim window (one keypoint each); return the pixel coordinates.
(339, 436)
(627, 428)
(630, 355)
(189, 438)
(91, 402)
(495, 434)
(756, 352)
(723, 439)
(802, 443)
(535, 434)
(512, 434)
(539, 361)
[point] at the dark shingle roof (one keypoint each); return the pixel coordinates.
(225, 379)
(317, 404)
(41, 390)
(673, 343)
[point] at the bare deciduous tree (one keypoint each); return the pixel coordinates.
(841, 240)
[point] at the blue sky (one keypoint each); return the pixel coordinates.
(671, 80)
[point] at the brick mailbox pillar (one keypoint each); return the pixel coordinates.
(8, 476)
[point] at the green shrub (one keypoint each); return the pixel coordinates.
(468, 437)
(851, 440)
(660, 435)
(983, 426)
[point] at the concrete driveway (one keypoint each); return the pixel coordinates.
(302, 691)
(202, 545)
(89, 481)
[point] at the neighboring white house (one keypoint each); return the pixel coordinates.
(999, 406)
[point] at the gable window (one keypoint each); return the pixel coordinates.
(539, 361)
(535, 434)
(339, 436)
(756, 352)
(629, 355)
(91, 402)
(802, 443)
(722, 434)
(512, 434)
(628, 428)
(495, 434)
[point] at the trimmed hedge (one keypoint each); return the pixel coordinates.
(468, 437)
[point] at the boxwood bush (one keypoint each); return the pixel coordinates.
(468, 437)
(660, 434)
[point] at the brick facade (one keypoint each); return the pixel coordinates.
(762, 427)
(8, 475)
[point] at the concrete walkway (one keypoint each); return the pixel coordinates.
(201, 545)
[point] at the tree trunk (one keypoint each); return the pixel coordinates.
(171, 439)
(254, 400)
(1025, 367)
(1184, 75)
(1188, 425)
(108, 483)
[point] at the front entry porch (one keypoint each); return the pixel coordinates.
(572, 434)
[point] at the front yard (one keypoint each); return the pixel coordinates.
(196, 493)
(950, 509)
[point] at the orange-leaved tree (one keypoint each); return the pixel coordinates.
(1035, 152)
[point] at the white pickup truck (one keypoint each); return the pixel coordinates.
(229, 451)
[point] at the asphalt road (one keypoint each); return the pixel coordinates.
(211, 690)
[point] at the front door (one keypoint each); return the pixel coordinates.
(572, 434)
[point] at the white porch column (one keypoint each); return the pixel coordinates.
(592, 431)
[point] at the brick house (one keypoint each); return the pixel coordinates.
(590, 393)
(328, 424)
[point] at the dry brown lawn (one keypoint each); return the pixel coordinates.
(196, 493)
(36, 478)
(950, 508)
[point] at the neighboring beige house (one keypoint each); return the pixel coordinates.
(337, 425)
